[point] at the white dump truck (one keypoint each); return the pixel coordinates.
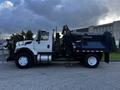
(86, 48)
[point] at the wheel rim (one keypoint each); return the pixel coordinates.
(23, 61)
(92, 61)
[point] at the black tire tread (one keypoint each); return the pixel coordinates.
(86, 60)
(29, 60)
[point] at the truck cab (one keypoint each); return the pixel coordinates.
(30, 52)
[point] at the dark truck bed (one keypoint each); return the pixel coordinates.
(93, 43)
(84, 44)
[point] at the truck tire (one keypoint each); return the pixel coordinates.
(23, 60)
(91, 60)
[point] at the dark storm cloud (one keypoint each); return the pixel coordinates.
(75, 13)
(20, 18)
(46, 14)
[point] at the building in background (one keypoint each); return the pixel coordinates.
(101, 28)
(114, 28)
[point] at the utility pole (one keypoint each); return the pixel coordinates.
(56, 29)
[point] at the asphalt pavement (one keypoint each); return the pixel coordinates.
(60, 77)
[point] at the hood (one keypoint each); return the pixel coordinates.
(24, 42)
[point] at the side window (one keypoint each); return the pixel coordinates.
(42, 35)
(45, 36)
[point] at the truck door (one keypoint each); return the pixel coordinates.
(44, 45)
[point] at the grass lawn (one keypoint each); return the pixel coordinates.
(115, 56)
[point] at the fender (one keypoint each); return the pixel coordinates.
(24, 49)
(27, 50)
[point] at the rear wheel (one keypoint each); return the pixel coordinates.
(23, 60)
(91, 61)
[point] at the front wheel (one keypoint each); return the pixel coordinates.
(23, 60)
(92, 61)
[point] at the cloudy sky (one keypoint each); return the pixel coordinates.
(17, 15)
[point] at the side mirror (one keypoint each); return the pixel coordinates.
(38, 41)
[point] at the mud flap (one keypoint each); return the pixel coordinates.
(107, 57)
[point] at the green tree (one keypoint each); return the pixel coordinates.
(114, 47)
(16, 38)
(11, 44)
(29, 35)
(23, 34)
(119, 43)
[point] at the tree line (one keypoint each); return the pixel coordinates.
(22, 36)
(14, 38)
